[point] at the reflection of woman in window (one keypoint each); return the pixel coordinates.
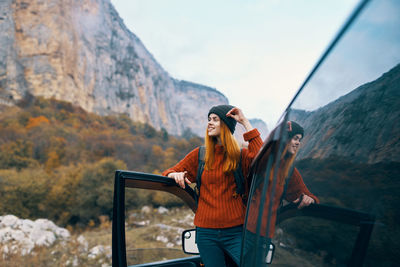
(289, 184)
(297, 191)
(220, 213)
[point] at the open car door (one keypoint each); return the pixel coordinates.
(125, 180)
(351, 228)
(349, 107)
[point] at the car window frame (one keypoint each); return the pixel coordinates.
(131, 179)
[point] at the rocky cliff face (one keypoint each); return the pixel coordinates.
(81, 52)
(193, 102)
(362, 125)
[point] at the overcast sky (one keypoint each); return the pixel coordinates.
(256, 52)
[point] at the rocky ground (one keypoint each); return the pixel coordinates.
(152, 234)
(24, 242)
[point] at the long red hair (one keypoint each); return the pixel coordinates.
(231, 148)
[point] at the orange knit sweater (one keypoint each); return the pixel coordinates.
(218, 207)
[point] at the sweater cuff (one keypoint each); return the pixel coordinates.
(251, 134)
(165, 173)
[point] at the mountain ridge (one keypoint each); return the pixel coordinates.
(83, 53)
(330, 130)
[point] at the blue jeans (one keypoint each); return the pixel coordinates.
(214, 243)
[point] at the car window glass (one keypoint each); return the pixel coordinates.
(349, 156)
(313, 242)
(265, 186)
(153, 227)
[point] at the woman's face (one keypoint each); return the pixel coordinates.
(294, 144)
(214, 125)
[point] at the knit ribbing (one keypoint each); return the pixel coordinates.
(218, 207)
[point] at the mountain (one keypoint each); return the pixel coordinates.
(256, 123)
(350, 158)
(81, 52)
(361, 125)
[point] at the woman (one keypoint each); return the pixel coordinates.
(220, 213)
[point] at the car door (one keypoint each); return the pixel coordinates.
(129, 180)
(349, 107)
(345, 230)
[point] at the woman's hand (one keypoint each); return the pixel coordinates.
(304, 201)
(180, 178)
(237, 115)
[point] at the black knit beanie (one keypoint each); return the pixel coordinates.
(294, 128)
(221, 111)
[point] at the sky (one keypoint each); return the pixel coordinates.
(256, 52)
(370, 48)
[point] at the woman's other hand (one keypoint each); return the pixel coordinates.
(304, 201)
(180, 178)
(237, 114)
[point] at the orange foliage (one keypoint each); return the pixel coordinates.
(60, 150)
(34, 122)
